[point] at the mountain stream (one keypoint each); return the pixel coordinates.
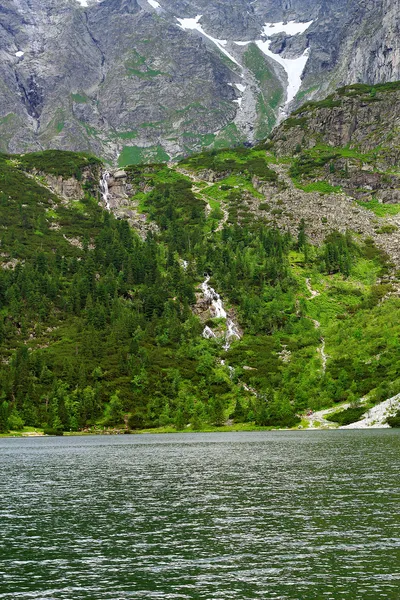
(104, 189)
(218, 312)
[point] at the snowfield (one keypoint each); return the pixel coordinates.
(194, 24)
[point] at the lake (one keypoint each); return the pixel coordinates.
(288, 515)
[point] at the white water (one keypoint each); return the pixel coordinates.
(231, 332)
(215, 300)
(324, 356)
(208, 333)
(104, 189)
(218, 312)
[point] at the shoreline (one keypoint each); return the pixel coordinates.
(22, 435)
(373, 418)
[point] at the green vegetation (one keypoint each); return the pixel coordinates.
(271, 90)
(127, 135)
(304, 93)
(369, 93)
(348, 415)
(228, 136)
(387, 229)
(57, 162)
(308, 164)
(135, 155)
(380, 209)
(357, 89)
(79, 98)
(242, 161)
(97, 327)
(139, 66)
(394, 421)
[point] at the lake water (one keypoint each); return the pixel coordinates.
(288, 515)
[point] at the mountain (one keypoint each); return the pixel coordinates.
(135, 80)
(240, 287)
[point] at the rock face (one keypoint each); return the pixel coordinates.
(133, 81)
(364, 119)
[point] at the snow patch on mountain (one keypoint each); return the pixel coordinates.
(188, 24)
(291, 28)
(154, 4)
(294, 67)
(240, 87)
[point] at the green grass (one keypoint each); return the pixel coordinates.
(136, 155)
(379, 209)
(228, 136)
(169, 429)
(22, 432)
(79, 98)
(271, 94)
(148, 74)
(303, 93)
(127, 135)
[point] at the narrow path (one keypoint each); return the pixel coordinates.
(198, 191)
(192, 176)
(324, 356)
(314, 293)
(224, 219)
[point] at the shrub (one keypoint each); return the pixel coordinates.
(52, 431)
(347, 416)
(15, 422)
(394, 421)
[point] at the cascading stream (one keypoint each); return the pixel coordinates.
(218, 312)
(104, 189)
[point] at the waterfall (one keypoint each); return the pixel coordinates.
(104, 189)
(231, 332)
(218, 312)
(215, 299)
(208, 333)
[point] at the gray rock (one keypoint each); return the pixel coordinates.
(123, 80)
